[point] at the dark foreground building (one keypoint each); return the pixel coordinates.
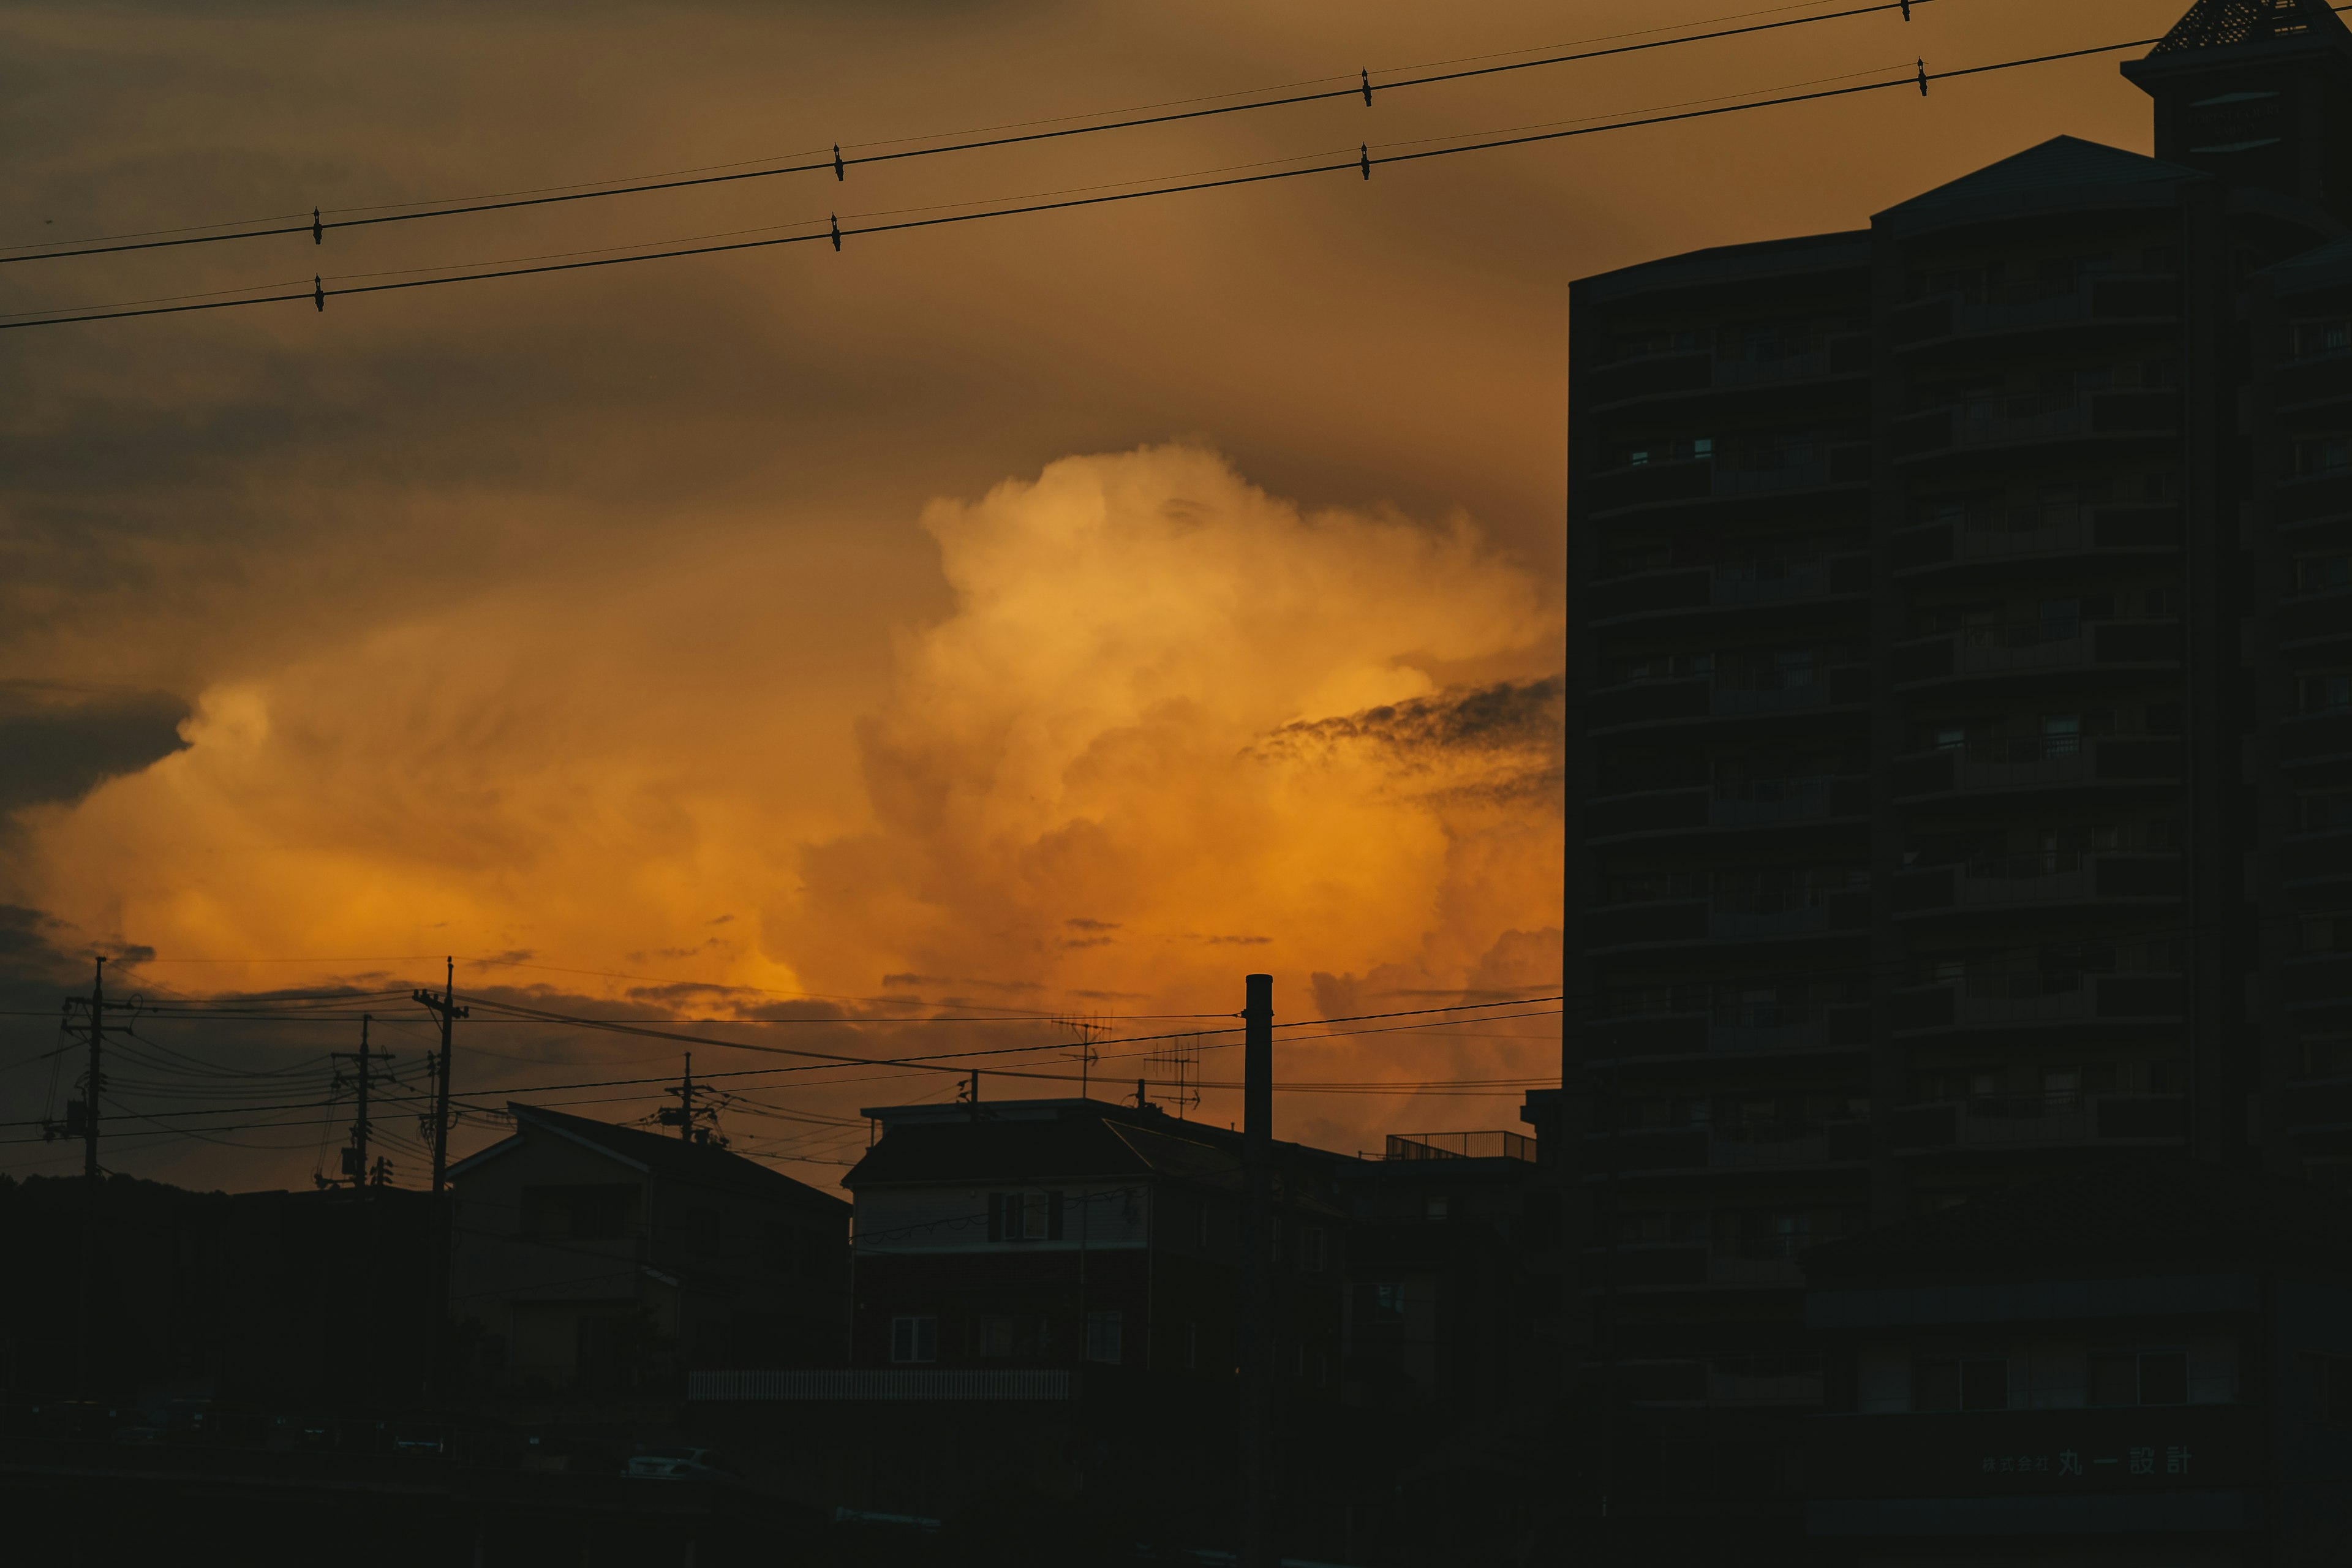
(2147, 1365)
(1963, 651)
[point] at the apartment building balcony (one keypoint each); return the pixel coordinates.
(2006, 885)
(1669, 922)
(2013, 422)
(1694, 1266)
(2318, 982)
(2035, 647)
(2011, 1001)
(2036, 533)
(2036, 764)
(2307, 740)
(2320, 378)
(1649, 378)
(1690, 590)
(2319, 1105)
(1844, 1027)
(2309, 501)
(2313, 620)
(2317, 856)
(1701, 480)
(1753, 803)
(1684, 699)
(1684, 1151)
(2034, 1122)
(2123, 299)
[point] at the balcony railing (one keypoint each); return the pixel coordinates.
(1460, 1146)
(2030, 1122)
(2039, 763)
(1995, 1001)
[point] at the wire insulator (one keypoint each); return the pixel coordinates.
(1923, 79)
(318, 229)
(1364, 159)
(836, 232)
(839, 172)
(1367, 86)
(1907, 10)
(318, 292)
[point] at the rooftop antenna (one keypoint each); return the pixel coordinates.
(1175, 1065)
(1089, 1028)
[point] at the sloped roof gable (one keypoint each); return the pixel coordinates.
(2061, 162)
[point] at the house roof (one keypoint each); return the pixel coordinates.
(1038, 1140)
(2063, 163)
(665, 1159)
(2143, 1211)
(2219, 24)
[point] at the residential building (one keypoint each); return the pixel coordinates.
(2150, 1362)
(1958, 666)
(589, 1258)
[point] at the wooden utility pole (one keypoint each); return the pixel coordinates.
(1254, 1491)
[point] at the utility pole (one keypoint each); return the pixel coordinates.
(695, 1124)
(355, 1158)
(1254, 1492)
(81, 1117)
(445, 1006)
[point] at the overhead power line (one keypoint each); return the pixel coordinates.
(840, 163)
(1363, 163)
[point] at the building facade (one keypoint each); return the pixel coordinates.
(594, 1259)
(1957, 652)
(2146, 1363)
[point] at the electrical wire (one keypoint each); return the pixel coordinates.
(319, 294)
(838, 164)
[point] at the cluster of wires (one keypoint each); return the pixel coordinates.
(167, 1092)
(835, 165)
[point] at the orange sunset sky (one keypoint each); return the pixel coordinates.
(1059, 615)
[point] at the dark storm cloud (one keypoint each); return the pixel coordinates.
(59, 743)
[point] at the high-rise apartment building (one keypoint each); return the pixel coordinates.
(1961, 702)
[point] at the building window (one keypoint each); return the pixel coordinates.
(1106, 1333)
(581, 1213)
(1388, 1300)
(1024, 1216)
(1961, 1383)
(1201, 1223)
(2139, 1377)
(914, 1340)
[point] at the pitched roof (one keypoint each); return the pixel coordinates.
(2061, 162)
(670, 1159)
(2149, 1210)
(2218, 23)
(1041, 1140)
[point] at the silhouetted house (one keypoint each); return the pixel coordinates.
(1961, 673)
(1442, 1307)
(2147, 1364)
(590, 1257)
(1046, 1303)
(1075, 1233)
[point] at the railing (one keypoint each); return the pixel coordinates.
(1770, 582)
(1810, 474)
(910, 1383)
(1771, 800)
(1734, 699)
(1460, 1146)
(2010, 419)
